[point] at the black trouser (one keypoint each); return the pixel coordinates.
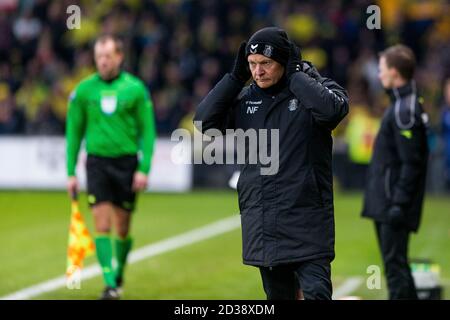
(393, 244)
(283, 282)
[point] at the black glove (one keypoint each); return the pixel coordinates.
(396, 216)
(241, 70)
(310, 70)
(294, 63)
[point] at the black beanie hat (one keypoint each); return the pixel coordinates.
(271, 42)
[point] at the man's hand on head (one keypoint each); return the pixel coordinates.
(310, 70)
(294, 63)
(241, 71)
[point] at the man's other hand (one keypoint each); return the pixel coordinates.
(72, 187)
(396, 216)
(139, 181)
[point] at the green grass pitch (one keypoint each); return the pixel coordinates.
(34, 231)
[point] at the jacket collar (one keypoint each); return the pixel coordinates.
(402, 91)
(273, 90)
(278, 92)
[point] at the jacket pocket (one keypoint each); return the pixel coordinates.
(309, 194)
(387, 183)
(316, 186)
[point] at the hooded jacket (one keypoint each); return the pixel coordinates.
(288, 216)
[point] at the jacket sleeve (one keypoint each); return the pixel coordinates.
(327, 100)
(215, 110)
(413, 152)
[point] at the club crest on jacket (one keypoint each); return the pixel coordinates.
(293, 105)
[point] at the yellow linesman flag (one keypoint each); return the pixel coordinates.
(80, 241)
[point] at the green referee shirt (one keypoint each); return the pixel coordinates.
(115, 117)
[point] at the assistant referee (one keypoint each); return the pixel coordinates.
(113, 112)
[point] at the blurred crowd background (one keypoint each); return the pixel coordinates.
(181, 48)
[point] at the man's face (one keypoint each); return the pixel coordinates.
(265, 71)
(107, 59)
(386, 74)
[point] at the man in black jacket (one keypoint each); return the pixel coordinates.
(287, 216)
(396, 178)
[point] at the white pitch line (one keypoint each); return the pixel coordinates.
(151, 250)
(349, 285)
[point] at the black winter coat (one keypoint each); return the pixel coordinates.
(288, 216)
(397, 171)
